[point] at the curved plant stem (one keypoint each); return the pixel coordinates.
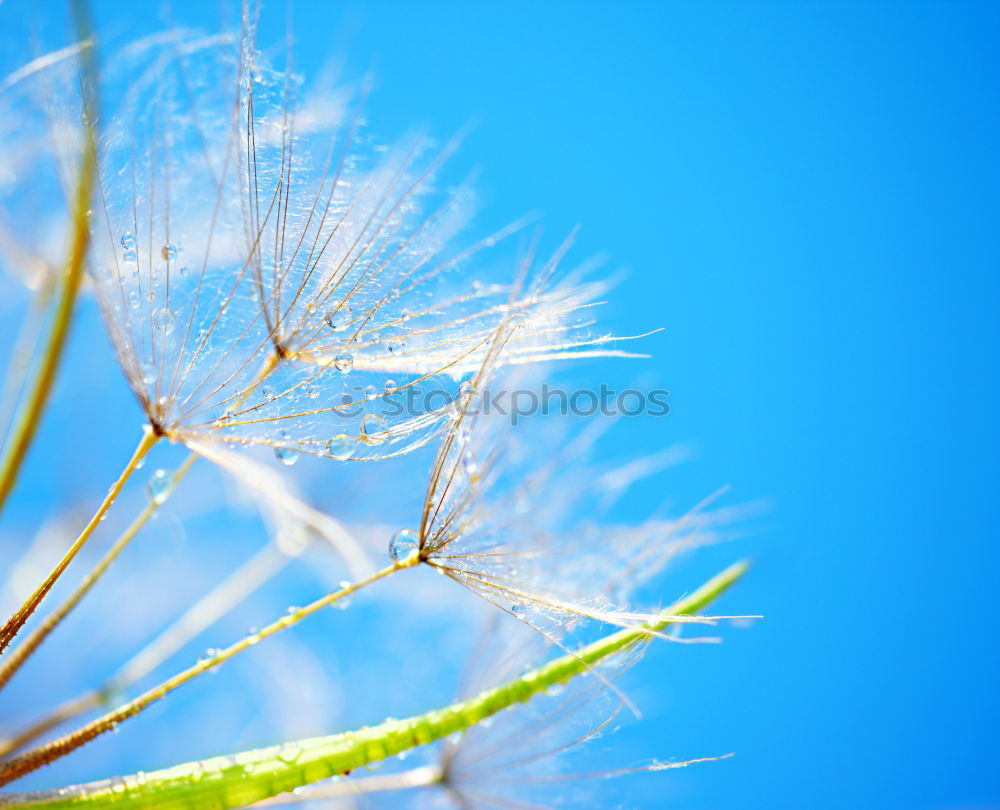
(252, 776)
(13, 662)
(25, 650)
(16, 622)
(61, 714)
(23, 350)
(38, 393)
(225, 595)
(18, 766)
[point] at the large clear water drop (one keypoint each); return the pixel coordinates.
(159, 485)
(374, 429)
(403, 544)
(342, 447)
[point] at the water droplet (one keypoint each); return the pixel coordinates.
(343, 363)
(405, 315)
(289, 753)
(267, 392)
(344, 601)
(403, 544)
(339, 319)
(169, 252)
(286, 455)
(163, 321)
(184, 271)
(313, 392)
(159, 485)
(390, 387)
(517, 610)
(208, 656)
(374, 429)
(129, 257)
(342, 447)
(395, 346)
(371, 392)
(128, 240)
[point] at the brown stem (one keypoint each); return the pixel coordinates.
(16, 622)
(35, 758)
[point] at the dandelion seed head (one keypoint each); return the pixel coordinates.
(317, 279)
(41, 142)
(509, 516)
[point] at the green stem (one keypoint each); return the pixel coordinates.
(252, 776)
(17, 766)
(423, 777)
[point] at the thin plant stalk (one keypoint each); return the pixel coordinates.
(31, 644)
(13, 662)
(31, 410)
(21, 764)
(30, 413)
(24, 349)
(16, 622)
(252, 776)
(224, 596)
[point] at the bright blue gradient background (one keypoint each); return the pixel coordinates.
(806, 198)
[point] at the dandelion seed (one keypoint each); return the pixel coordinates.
(489, 525)
(300, 268)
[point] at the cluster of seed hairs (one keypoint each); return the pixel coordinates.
(532, 538)
(523, 758)
(269, 279)
(526, 758)
(270, 276)
(42, 138)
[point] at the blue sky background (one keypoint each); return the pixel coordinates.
(805, 196)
